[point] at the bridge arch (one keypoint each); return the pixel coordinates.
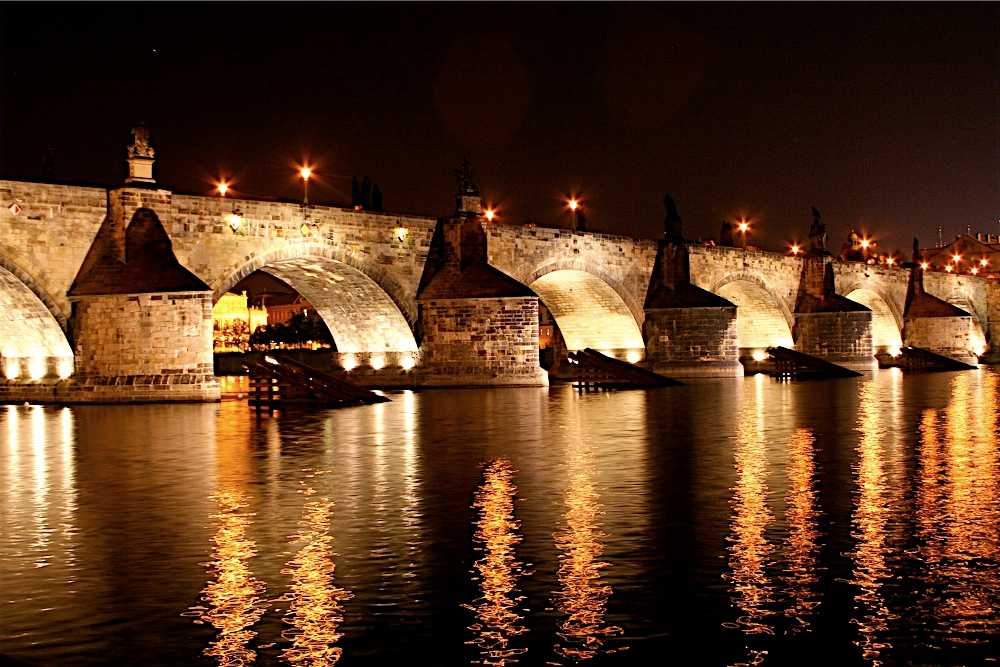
(763, 319)
(359, 304)
(33, 341)
(887, 320)
(588, 307)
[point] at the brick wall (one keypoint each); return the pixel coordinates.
(146, 346)
(838, 337)
(480, 341)
(692, 342)
(949, 336)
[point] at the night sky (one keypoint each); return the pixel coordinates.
(883, 116)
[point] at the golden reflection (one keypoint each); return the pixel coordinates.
(233, 600)
(582, 599)
(498, 619)
(958, 512)
(801, 545)
(875, 506)
(749, 549)
(315, 609)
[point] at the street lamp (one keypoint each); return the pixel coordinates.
(743, 227)
(794, 249)
(490, 214)
(222, 188)
(305, 172)
(573, 205)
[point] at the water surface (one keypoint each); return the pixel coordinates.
(732, 522)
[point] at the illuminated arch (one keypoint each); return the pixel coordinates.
(632, 301)
(32, 343)
(359, 309)
(886, 321)
(588, 311)
(762, 318)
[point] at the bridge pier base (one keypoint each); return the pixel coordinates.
(948, 336)
(843, 338)
(692, 342)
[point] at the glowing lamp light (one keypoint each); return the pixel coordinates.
(36, 367)
(490, 214)
(759, 355)
(956, 258)
(633, 356)
(890, 260)
(235, 220)
(949, 268)
(895, 351)
(400, 233)
(408, 362)
(305, 172)
(794, 249)
(974, 271)
(222, 188)
(11, 368)
(984, 262)
(573, 203)
(377, 361)
(349, 362)
(979, 349)
(744, 226)
(865, 243)
(924, 265)
(64, 368)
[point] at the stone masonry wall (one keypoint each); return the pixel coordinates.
(146, 346)
(949, 336)
(480, 342)
(692, 342)
(838, 337)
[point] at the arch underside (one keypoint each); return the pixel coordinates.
(27, 328)
(588, 311)
(760, 322)
(360, 315)
(885, 327)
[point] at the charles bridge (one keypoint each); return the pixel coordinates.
(106, 294)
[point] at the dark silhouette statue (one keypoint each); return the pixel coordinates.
(465, 182)
(673, 231)
(726, 234)
(817, 233)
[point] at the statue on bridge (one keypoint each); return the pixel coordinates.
(468, 201)
(672, 227)
(726, 234)
(140, 145)
(817, 233)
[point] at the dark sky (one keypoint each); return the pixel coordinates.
(883, 116)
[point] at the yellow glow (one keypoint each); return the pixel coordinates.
(65, 367)
(633, 356)
(890, 260)
(924, 265)
(759, 355)
(956, 258)
(744, 226)
(895, 351)
(36, 367)
(235, 220)
(349, 362)
(573, 204)
(222, 188)
(377, 361)
(949, 268)
(794, 249)
(490, 214)
(974, 270)
(984, 262)
(305, 172)
(11, 367)
(400, 233)
(865, 243)
(407, 362)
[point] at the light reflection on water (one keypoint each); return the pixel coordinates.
(499, 616)
(856, 520)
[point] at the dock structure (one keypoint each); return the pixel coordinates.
(278, 380)
(594, 370)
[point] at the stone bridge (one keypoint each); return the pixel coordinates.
(368, 274)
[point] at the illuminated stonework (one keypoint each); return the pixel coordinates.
(588, 311)
(760, 322)
(885, 328)
(31, 339)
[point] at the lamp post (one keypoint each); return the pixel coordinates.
(222, 188)
(305, 172)
(573, 204)
(743, 227)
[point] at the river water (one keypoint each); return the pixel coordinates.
(848, 522)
